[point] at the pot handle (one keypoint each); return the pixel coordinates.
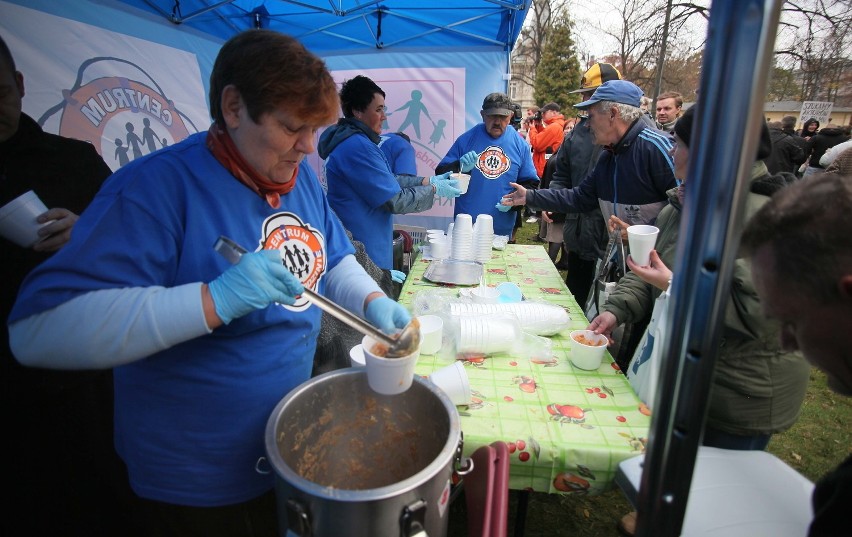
(457, 460)
(298, 520)
(411, 521)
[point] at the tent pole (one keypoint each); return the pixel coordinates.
(726, 129)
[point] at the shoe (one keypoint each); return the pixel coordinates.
(532, 219)
(627, 524)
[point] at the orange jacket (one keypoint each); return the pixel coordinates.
(540, 138)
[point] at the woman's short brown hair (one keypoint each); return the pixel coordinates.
(272, 70)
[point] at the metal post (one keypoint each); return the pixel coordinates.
(740, 42)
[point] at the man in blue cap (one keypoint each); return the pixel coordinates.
(631, 177)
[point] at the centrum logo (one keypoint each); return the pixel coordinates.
(493, 162)
(124, 118)
(302, 250)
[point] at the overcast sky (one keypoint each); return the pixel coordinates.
(590, 15)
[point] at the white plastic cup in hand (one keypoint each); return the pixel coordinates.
(463, 179)
(431, 333)
(453, 380)
(356, 356)
(388, 376)
(642, 240)
(18, 219)
(584, 356)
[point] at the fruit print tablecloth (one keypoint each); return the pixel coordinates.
(567, 429)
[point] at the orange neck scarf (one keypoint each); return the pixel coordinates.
(222, 146)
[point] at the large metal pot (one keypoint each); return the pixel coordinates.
(349, 461)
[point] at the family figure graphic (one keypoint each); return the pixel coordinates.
(149, 139)
(415, 108)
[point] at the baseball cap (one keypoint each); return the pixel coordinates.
(597, 75)
(551, 106)
(617, 91)
(497, 104)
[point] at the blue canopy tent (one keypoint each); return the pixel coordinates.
(444, 54)
(332, 27)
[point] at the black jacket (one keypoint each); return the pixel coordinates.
(788, 152)
(823, 140)
(584, 233)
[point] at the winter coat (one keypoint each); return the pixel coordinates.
(842, 163)
(629, 180)
(545, 141)
(758, 388)
(584, 233)
(834, 152)
(822, 141)
(788, 152)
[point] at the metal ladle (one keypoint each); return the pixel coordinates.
(402, 344)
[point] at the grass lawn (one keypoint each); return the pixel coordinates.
(818, 442)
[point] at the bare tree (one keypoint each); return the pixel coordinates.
(532, 39)
(637, 28)
(815, 43)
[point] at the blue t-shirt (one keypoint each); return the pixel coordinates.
(360, 182)
(399, 152)
(190, 420)
(501, 161)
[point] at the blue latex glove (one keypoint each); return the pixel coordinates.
(503, 208)
(468, 161)
(387, 315)
(397, 276)
(258, 280)
(444, 186)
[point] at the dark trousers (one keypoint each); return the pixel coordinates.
(254, 518)
(581, 276)
(720, 439)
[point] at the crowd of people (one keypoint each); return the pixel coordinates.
(154, 363)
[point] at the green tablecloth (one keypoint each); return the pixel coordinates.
(567, 428)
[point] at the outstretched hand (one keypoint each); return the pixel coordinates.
(515, 197)
(604, 324)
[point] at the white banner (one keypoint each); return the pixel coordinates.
(821, 111)
(127, 96)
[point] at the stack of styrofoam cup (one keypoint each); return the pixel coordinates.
(534, 317)
(483, 236)
(450, 227)
(462, 242)
(486, 334)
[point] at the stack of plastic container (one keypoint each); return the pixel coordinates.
(462, 239)
(483, 237)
